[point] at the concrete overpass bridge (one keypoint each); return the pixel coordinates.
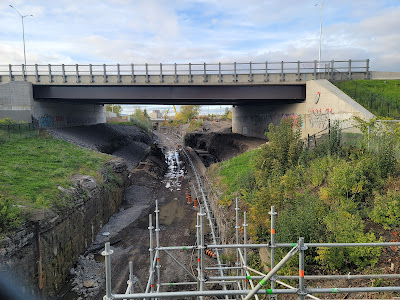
(72, 95)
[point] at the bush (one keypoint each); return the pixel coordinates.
(283, 150)
(386, 210)
(344, 227)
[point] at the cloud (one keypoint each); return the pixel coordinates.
(154, 31)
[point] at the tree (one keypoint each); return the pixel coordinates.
(114, 108)
(188, 112)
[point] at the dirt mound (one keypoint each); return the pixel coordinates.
(127, 142)
(222, 145)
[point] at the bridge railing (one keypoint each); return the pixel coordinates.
(324, 69)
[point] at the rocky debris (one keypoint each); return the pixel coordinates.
(88, 277)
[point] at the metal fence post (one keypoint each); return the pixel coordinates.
(91, 73)
(350, 68)
(131, 278)
(161, 75)
(245, 242)
(151, 271)
(251, 73)
(10, 72)
(105, 73)
(37, 73)
(190, 73)
(332, 73)
(198, 251)
(282, 74)
(107, 261)
(147, 73)
(266, 72)
(237, 231)
(63, 73)
(272, 251)
(205, 73)
(50, 76)
(157, 230)
(234, 72)
(202, 243)
(302, 247)
(367, 74)
(77, 74)
(118, 74)
(176, 74)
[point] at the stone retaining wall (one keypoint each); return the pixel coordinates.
(64, 234)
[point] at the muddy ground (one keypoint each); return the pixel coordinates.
(128, 231)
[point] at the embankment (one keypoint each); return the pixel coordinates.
(63, 234)
(41, 252)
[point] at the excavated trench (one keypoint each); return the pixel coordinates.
(157, 176)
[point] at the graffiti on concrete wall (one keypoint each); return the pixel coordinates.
(46, 121)
(320, 118)
(297, 119)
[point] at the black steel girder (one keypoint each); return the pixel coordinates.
(171, 94)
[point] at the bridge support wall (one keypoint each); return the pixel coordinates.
(17, 103)
(324, 102)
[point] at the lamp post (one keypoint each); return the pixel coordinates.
(320, 31)
(23, 29)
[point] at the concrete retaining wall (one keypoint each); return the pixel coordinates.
(324, 102)
(17, 103)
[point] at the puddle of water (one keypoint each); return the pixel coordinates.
(171, 212)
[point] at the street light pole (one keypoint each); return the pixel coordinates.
(23, 29)
(320, 33)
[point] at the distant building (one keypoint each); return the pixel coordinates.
(155, 114)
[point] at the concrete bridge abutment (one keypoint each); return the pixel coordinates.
(324, 102)
(17, 103)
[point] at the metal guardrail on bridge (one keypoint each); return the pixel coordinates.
(120, 73)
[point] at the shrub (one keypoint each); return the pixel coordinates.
(283, 150)
(344, 227)
(386, 210)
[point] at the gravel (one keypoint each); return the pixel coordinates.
(127, 142)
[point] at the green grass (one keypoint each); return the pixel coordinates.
(146, 126)
(234, 174)
(385, 100)
(32, 169)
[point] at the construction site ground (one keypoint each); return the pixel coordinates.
(129, 233)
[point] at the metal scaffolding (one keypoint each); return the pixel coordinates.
(243, 285)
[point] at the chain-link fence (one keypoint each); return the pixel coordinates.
(9, 132)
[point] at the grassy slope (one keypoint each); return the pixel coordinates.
(389, 90)
(232, 173)
(32, 169)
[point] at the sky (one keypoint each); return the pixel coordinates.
(197, 31)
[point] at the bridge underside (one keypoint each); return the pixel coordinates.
(203, 95)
